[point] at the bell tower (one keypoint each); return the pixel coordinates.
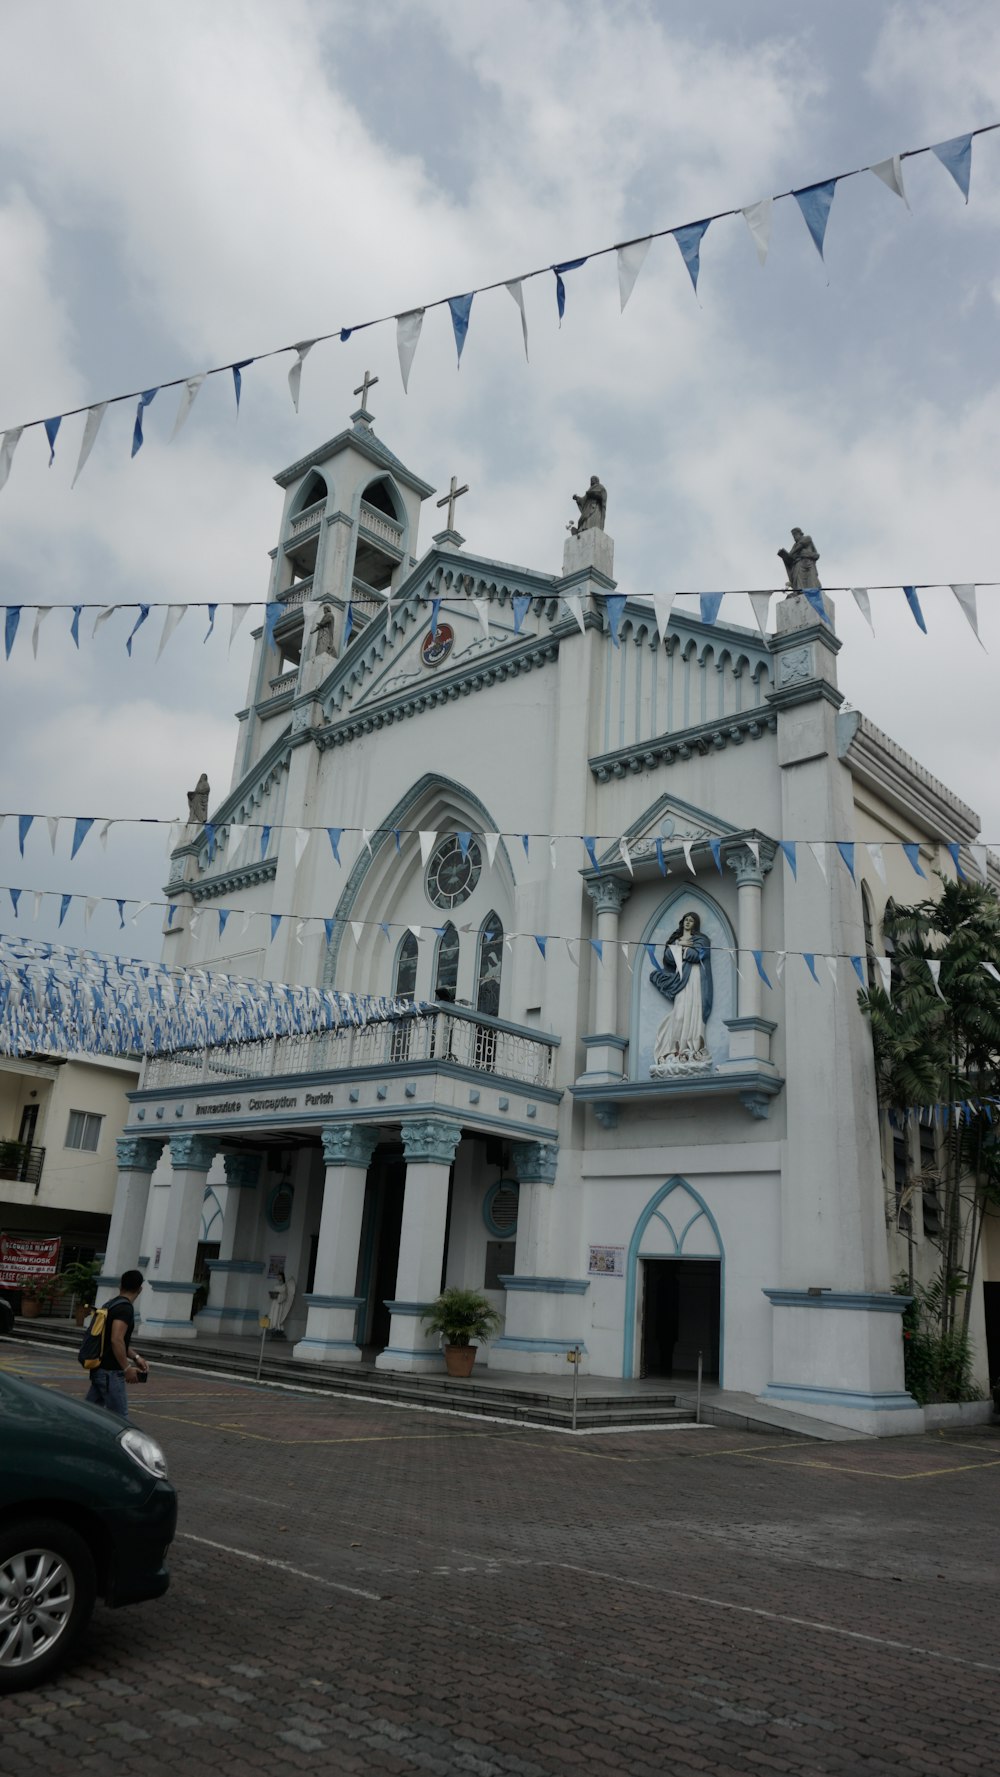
(348, 537)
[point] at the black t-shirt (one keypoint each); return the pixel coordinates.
(120, 1309)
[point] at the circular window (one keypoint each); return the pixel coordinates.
(451, 874)
(279, 1206)
(500, 1208)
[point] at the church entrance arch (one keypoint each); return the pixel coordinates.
(675, 1287)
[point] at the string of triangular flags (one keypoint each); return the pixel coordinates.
(64, 1001)
(147, 1006)
(814, 202)
(254, 839)
(663, 606)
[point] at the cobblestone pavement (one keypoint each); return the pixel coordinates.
(358, 1588)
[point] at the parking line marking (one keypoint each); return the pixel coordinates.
(298, 1573)
(775, 1616)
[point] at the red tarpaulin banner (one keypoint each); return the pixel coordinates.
(21, 1257)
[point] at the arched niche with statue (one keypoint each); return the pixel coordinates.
(695, 971)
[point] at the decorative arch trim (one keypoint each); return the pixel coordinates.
(650, 1213)
(398, 817)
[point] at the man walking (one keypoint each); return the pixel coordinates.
(118, 1364)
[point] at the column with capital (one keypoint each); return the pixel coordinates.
(430, 1144)
(331, 1327)
(138, 1156)
(606, 1047)
(544, 1291)
(235, 1297)
(750, 1031)
(168, 1314)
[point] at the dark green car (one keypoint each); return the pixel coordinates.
(86, 1512)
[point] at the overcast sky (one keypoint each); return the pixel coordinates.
(183, 185)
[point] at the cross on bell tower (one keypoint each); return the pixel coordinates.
(361, 415)
(449, 534)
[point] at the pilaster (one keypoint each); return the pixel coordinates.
(138, 1157)
(331, 1324)
(605, 1046)
(233, 1304)
(168, 1314)
(430, 1144)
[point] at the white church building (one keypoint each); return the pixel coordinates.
(601, 1113)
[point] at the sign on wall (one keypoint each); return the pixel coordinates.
(21, 1257)
(606, 1261)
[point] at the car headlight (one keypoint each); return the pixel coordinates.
(145, 1451)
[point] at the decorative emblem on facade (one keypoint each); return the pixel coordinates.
(437, 645)
(795, 666)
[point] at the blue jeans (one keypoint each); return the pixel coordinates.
(108, 1388)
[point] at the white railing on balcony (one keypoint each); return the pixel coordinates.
(285, 682)
(307, 520)
(295, 595)
(467, 1039)
(381, 525)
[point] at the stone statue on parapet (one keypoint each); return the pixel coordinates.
(592, 506)
(198, 802)
(323, 640)
(800, 564)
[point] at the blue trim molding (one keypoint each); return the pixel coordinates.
(251, 1267)
(172, 1289)
(547, 1345)
(838, 1397)
(334, 1301)
(407, 1308)
(548, 1286)
(859, 1301)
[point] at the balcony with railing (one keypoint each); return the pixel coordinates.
(380, 525)
(307, 520)
(296, 595)
(472, 1040)
(21, 1162)
(282, 685)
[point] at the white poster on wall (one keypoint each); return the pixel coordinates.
(607, 1261)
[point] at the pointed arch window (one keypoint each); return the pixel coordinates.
(405, 983)
(490, 965)
(446, 965)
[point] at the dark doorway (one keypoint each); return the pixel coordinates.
(380, 1245)
(991, 1304)
(681, 1316)
(29, 1120)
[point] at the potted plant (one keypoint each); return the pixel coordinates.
(34, 1292)
(79, 1279)
(461, 1316)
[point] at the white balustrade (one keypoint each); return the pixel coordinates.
(380, 525)
(297, 594)
(307, 520)
(486, 1046)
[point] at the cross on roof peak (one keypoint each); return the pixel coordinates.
(454, 493)
(367, 382)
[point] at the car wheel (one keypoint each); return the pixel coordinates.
(47, 1590)
(6, 1316)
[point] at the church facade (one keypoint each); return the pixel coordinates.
(617, 1110)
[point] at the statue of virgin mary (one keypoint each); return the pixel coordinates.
(681, 1043)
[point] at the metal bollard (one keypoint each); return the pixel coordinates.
(264, 1324)
(697, 1407)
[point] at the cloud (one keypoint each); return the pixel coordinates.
(300, 167)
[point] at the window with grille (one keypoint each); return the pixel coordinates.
(84, 1130)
